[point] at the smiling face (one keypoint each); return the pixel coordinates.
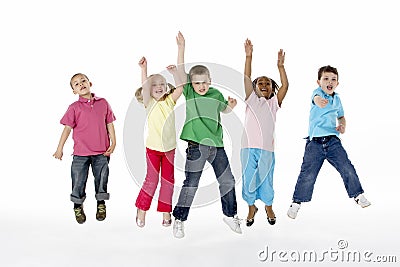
(328, 82)
(201, 83)
(158, 86)
(81, 85)
(264, 87)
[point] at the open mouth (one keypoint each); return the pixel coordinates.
(329, 87)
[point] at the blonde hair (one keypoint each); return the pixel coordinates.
(139, 95)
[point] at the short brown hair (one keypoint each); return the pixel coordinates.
(199, 70)
(327, 69)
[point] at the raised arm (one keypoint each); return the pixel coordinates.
(179, 85)
(146, 83)
(248, 86)
(284, 80)
(180, 41)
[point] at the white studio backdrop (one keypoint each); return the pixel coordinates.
(45, 42)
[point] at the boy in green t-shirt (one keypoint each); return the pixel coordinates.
(203, 132)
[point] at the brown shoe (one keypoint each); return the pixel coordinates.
(80, 215)
(101, 212)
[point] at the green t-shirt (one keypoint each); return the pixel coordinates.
(203, 120)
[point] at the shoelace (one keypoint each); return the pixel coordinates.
(101, 209)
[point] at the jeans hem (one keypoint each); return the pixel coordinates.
(76, 200)
(102, 196)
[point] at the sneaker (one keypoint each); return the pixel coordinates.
(233, 223)
(292, 212)
(166, 219)
(80, 215)
(362, 201)
(101, 212)
(178, 229)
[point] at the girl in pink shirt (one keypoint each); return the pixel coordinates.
(263, 99)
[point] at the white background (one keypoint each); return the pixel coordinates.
(43, 43)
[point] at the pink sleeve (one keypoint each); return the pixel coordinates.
(110, 117)
(69, 117)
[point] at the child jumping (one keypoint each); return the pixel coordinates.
(323, 143)
(203, 132)
(263, 99)
(159, 99)
(91, 119)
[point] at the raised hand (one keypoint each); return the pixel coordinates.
(172, 69)
(248, 47)
(232, 102)
(143, 62)
(281, 58)
(180, 40)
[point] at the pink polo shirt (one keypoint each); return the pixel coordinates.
(259, 125)
(89, 119)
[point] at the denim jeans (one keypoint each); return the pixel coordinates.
(316, 151)
(196, 157)
(79, 174)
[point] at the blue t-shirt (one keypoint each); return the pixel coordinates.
(323, 120)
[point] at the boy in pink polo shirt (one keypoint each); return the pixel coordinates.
(91, 119)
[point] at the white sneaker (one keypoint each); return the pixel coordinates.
(362, 201)
(293, 209)
(178, 229)
(233, 223)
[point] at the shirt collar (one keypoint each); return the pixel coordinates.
(85, 100)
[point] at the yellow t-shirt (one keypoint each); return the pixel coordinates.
(161, 125)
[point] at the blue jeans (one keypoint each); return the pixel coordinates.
(257, 175)
(316, 151)
(79, 174)
(196, 157)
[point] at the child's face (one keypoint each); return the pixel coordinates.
(81, 86)
(201, 83)
(158, 87)
(264, 87)
(328, 82)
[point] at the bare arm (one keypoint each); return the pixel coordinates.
(146, 83)
(341, 128)
(111, 133)
(179, 85)
(64, 136)
(231, 104)
(284, 80)
(180, 41)
(248, 86)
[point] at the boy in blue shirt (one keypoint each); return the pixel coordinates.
(323, 143)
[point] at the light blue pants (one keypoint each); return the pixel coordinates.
(257, 175)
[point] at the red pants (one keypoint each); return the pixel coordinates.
(155, 161)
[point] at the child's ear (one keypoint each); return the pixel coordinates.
(90, 84)
(73, 91)
(318, 83)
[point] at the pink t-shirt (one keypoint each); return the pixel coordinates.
(259, 125)
(89, 119)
